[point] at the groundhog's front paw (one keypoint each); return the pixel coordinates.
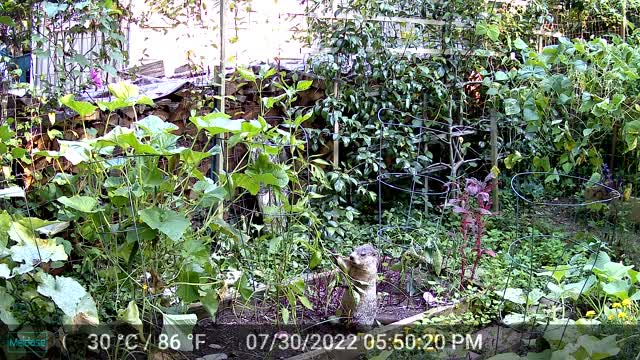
(343, 263)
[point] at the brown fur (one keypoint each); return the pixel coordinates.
(361, 269)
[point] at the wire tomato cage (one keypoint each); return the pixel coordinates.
(541, 310)
(414, 178)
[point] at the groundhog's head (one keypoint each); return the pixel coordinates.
(365, 257)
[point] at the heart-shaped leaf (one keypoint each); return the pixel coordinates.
(168, 222)
(70, 297)
(84, 204)
(83, 108)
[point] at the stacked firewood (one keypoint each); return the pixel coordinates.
(175, 107)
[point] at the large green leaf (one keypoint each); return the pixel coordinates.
(7, 20)
(249, 183)
(513, 159)
(83, 108)
(5, 225)
(114, 104)
(178, 329)
(217, 123)
(220, 225)
(211, 302)
(266, 172)
(164, 143)
(501, 76)
(560, 331)
(243, 287)
(6, 316)
(316, 259)
(52, 9)
(124, 91)
(515, 295)
(253, 127)
(126, 138)
(599, 348)
(613, 271)
(131, 316)
(270, 102)
(492, 31)
(520, 44)
(246, 74)
(145, 100)
(597, 261)
(167, 222)
(304, 85)
(69, 296)
(631, 133)
(194, 158)
(582, 287)
(556, 290)
(86, 313)
(209, 192)
(187, 290)
(511, 107)
(618, 288)
(38, 250)
(53, 228)
(5, 272)
(556, 272)
(153, 125)
(30, 249)
(530, 111)
(515, 319)
(84, 204)
(75, 151)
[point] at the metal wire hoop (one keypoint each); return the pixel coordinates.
(514, 247)
(428, 129)
(406, 228)
(614, 194)
(383, 179)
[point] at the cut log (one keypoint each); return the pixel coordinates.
(152, 69)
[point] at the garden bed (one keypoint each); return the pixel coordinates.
(237, 320)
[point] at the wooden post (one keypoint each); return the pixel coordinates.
(336, 130)
(223, 90)
(426, 150)
(4, 104)
(614, 141)
(541, 39)
(223, 55)
(494, 158)
(623, 32)
(452, 154)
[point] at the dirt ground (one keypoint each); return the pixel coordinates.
(235, 330)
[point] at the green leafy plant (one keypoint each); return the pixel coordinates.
(607, 289)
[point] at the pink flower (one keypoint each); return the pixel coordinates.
(473, 186)
(95, 78)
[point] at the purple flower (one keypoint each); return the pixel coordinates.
(473, 186)
(95, 78)
(489, 177)
(483, 196)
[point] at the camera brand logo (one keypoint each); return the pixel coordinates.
(34, 342)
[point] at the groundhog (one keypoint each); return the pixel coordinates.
(360, 303)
